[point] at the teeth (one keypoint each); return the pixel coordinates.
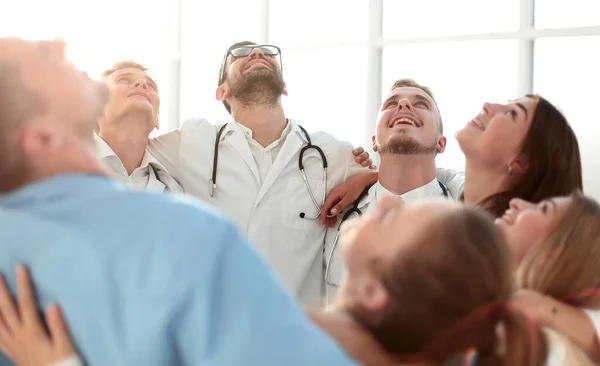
(478, 123)
(404, 120)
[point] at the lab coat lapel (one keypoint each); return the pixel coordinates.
(291, 146)
(239, 142)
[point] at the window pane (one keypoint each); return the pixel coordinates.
(567, 74)
(435, 18)
(204, 41)
(462, 76)
(313, 21)
(327, 90)
(563, 14)
(107, 24)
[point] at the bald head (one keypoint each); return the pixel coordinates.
(47, 107)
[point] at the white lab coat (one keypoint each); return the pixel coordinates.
(144, 177)
(268, 212)
(336, 264)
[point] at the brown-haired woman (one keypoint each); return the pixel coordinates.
(555, 247)
(522, 149)
(425, 282)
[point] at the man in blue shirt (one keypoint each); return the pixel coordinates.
(142, 279)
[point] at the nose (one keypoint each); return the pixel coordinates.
(491, 108)
(519, 205)
(256, 53)
(141, 83)
(404, 103)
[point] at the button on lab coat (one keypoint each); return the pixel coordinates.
(268, 212)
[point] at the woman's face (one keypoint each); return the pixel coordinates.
(526, 224)
(494, 136)
(391, 227)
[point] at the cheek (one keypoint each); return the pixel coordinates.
(527, 232)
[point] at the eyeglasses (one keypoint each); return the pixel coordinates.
(246, 50)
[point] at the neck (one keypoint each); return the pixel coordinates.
(403, 173)
(481, 182)
(128, 141)
(267, 123)
(80, 163)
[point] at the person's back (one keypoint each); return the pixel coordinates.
(147, 279)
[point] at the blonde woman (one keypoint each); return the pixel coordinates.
(555, 246)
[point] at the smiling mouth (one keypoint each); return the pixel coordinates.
(404, 121)
(258, 63)
(478, 123)
(140, 95)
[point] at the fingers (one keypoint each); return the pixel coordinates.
(8, 311)
(363, 159)
(58, 331)
(359, 150)
(331, 200)
(27, 305)
(330, 221)
(373, 167)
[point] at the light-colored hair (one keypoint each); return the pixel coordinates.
(124, 65)
(565, 265)
(410, 83)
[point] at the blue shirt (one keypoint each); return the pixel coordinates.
(148, 279)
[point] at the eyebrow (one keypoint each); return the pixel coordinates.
(148, 78)
(416, 96)
(522, 106)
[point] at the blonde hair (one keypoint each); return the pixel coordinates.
(565, 264)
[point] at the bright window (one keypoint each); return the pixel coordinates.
(327, 90)
(567, 73)
(310, 22)
(435, 18)
(461, 75)
(563, 14)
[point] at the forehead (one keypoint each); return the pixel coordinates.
(409, 92)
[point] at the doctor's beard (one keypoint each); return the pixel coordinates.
(258, 87)
(405, 145)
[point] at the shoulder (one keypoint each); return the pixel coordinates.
(194, 123)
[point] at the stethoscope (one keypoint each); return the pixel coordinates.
(355, 210)
(309, 145)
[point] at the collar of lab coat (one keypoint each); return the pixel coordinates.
(236, 127)
(106, 152)
(377, 191)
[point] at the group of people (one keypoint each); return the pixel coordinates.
(200, 246)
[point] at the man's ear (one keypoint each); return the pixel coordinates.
(39, 138)
(284, 91)
(441, 145)
(374, 140)
(222, 93)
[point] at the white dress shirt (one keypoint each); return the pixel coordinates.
(149, 176)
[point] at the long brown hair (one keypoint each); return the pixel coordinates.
(565, 264)
(430, 292)
(554, 168)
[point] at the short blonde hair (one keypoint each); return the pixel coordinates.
(123, 65)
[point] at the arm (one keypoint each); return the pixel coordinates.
(453, 180)
(344, 195)
(24, 339)
(570, 321)
(166, 149)
(238, 313)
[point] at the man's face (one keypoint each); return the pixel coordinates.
(70, 97)
(133, 93)
(255, 78)
(408, 123)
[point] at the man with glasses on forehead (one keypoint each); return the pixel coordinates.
(249, 167)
